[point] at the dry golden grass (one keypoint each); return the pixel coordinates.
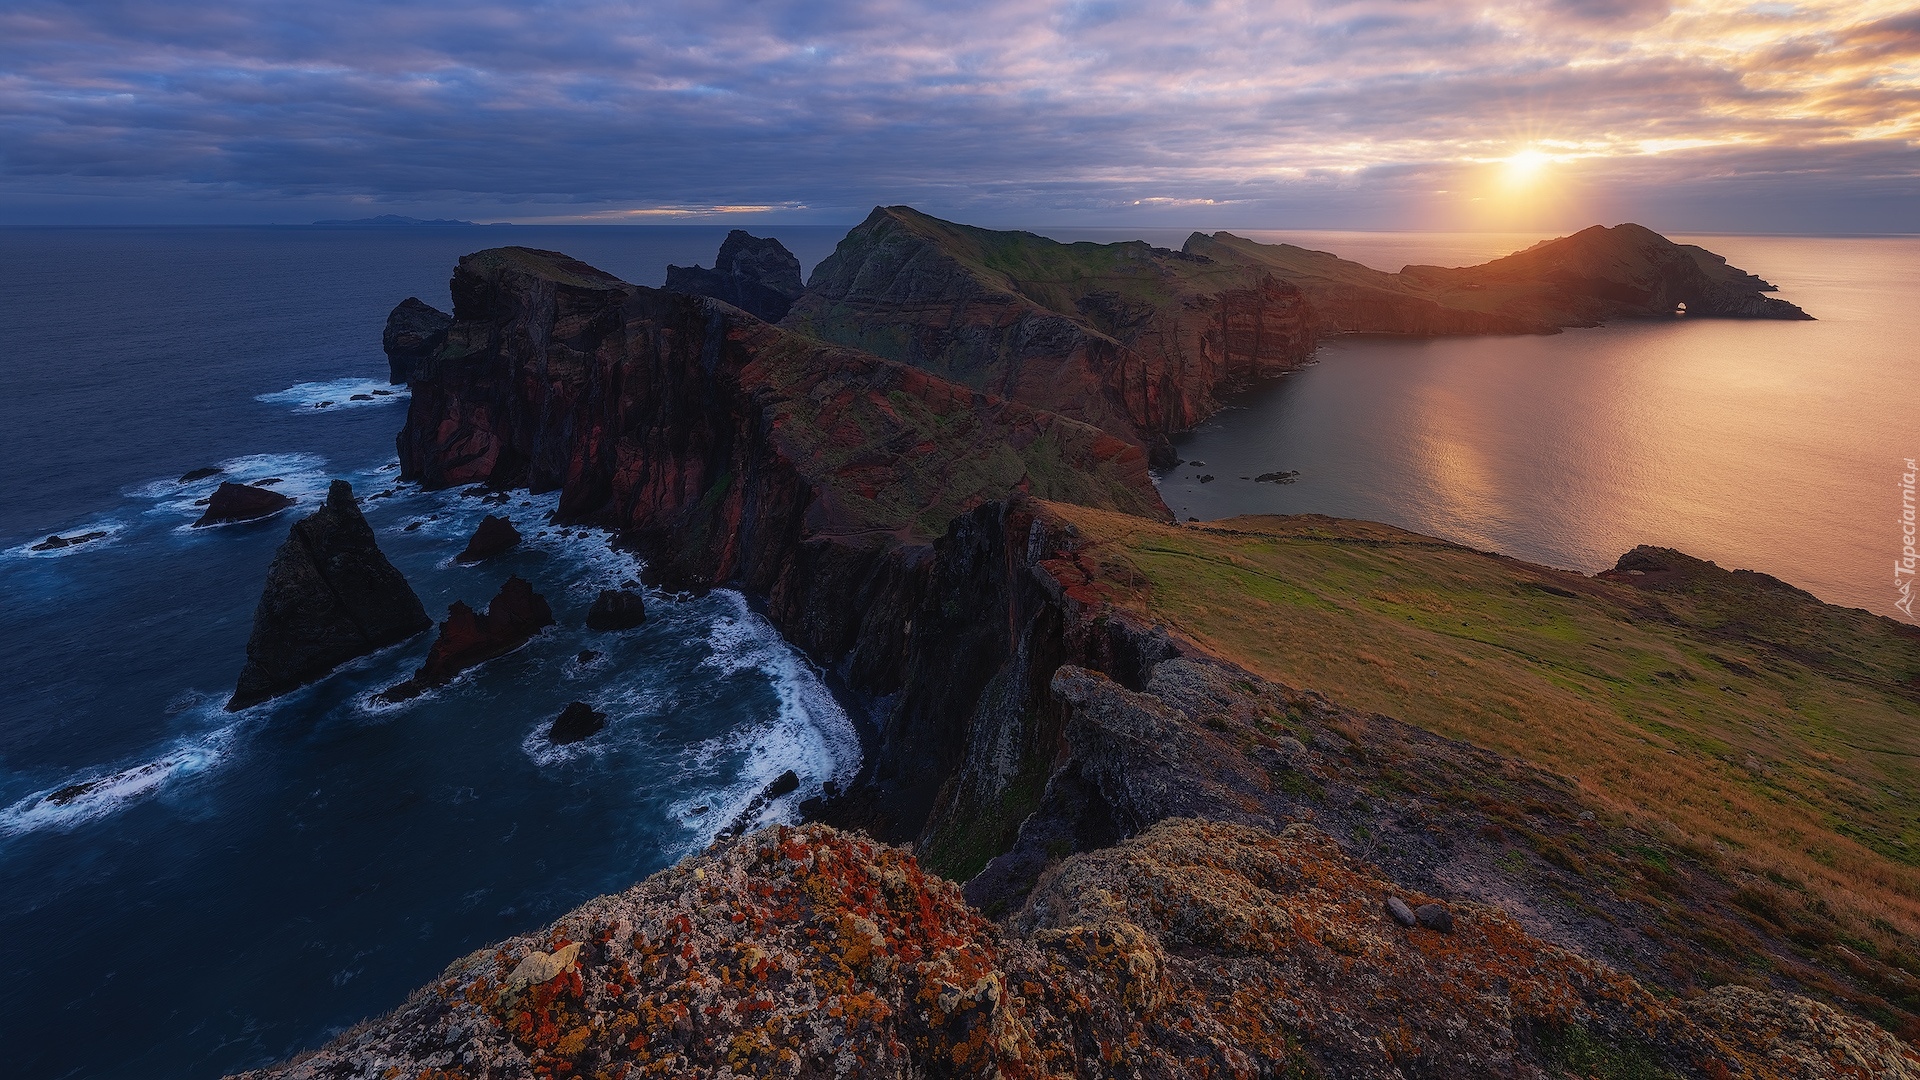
(1777, 736)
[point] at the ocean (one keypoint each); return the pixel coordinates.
(240, 886)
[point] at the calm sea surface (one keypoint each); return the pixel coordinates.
(242, 885)
(1770, 446)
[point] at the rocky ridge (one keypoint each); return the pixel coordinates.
(758, 276)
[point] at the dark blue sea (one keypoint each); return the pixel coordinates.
(244, 884)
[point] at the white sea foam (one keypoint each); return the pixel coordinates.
(96, 793)
(335, 394)
(109, 531)
(809, 734)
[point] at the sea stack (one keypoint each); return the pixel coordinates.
(469, 638)
(415, 331)
(758, 276)
(330, 596)
(241, 502)
(495, 536)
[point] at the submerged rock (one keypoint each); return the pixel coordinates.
(494, 536)
(617, 609)
(56, 541)
(468, 638)
(204, 473)
(241, 502)
(330, 596)
(415, 331)
(576, 722)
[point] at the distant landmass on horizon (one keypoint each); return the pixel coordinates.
(397, 219)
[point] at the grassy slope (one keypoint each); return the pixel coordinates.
(1768, 733)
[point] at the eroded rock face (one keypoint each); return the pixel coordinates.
(1195, 949)
(241, 502)
(330, 596)
(494, 536)
(758, 276)
(414, 333)
(617, 609)
(468, 638)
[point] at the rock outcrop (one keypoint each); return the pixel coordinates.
(493, 536)
(1194, 949)
(617, 609)
(415, 331)
(232, 502)
(758, 276)
(577, 721)
(330, 596)
(469, 639)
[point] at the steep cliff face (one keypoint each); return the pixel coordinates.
(1585, 279)
(758, 276)
(732, 451)
(1139, 341)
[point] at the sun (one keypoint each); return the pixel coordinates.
(1525, 167)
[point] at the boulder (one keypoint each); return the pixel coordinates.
(494, 536)
(469, 638)
(1434, 917)
(242, 502)
(330, 596)
(1401, 913)
(415, 331)
(617, 609)
(577, 721)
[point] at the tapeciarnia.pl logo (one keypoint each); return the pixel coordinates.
(1903, 567)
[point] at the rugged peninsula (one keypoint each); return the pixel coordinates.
(1264, 797)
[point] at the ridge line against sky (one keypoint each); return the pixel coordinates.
(1427, 114)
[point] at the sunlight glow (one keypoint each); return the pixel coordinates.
(1525, 167)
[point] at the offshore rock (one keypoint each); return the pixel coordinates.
(330, 596)
(760, 277)
(241, 502)
(468, 638)
(577, 721)
(617, 609)
(414, 333)
(494, 536)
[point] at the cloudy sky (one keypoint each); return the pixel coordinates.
(1440, 114)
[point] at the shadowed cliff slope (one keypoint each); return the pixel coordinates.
(1139, 341)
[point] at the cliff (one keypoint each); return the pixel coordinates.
(415, 330)
(1139, 341)
(758, 276)
(733, 451)
(1598, 274)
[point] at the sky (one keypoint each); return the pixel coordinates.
(1374, 114)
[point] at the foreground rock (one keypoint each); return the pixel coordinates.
(330, 596)
(232, 502)
(468, 639)
(1195, 949)
(414, 333)
(757, 276)
(577, 721)
(617, 609)
(495, 536)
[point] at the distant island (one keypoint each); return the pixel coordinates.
(396, 219)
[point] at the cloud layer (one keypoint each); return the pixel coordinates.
(1384, 113)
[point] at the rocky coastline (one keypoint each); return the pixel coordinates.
(1125, 853)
